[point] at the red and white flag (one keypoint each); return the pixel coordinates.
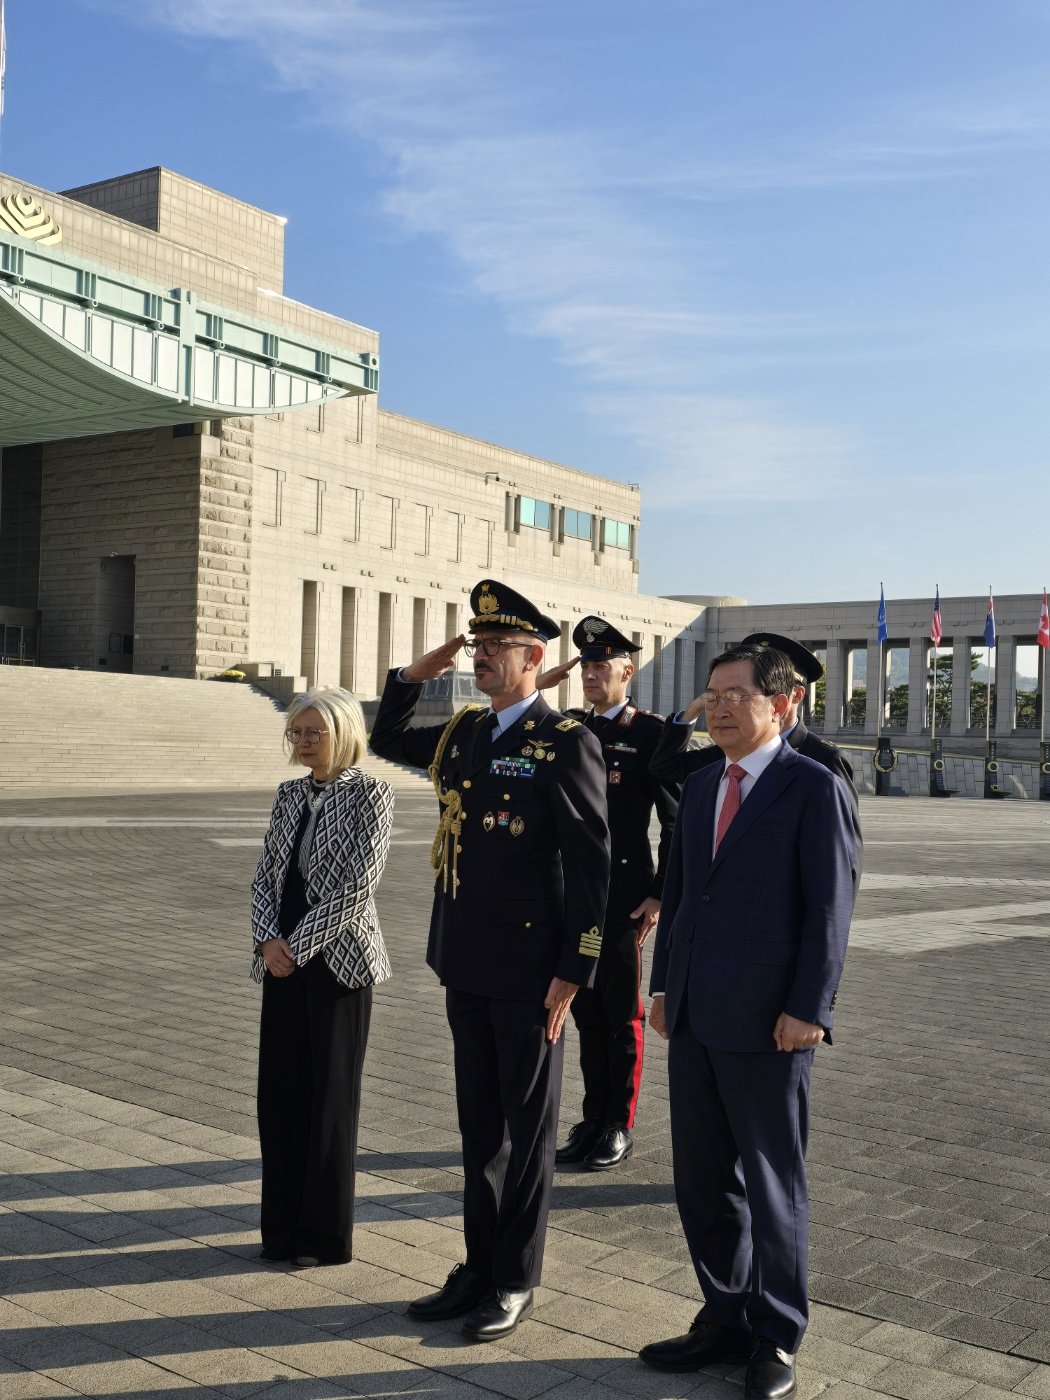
(936, 631)
(1043, 635)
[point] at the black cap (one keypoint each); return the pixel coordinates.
(807, 666)
(500, 609)
(598, 640)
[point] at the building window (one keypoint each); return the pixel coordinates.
(352, 516)
(424, 515)
(488, 528)
(616, 534)
(454, 536)
(270, 495)
(387, 532)
(317, 491)
(577, 525)
(534, 513)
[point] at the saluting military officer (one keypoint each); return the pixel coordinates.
(522, 859)
(610, 1017)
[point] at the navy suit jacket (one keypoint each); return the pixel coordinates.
(762, 927)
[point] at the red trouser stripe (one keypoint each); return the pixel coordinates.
(638, 1031)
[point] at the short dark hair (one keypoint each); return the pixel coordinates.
(774, 673)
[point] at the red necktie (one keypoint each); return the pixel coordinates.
(731, 805)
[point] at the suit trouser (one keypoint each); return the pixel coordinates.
(739, 1127)
(312, 1038)
(508, 1090)
(610, 1019)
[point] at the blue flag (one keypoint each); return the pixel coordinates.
(883, 629)
(989, 623)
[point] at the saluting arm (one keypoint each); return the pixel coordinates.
(392, 736)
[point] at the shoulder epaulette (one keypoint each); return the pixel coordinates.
(566, 724)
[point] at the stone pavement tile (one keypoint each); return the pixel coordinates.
(583, 1356)
(1035, 1384)
(989, 1367)
(510, 1376)
(306, 1388)
(910, 1382)
(841, 1293)
(842, 1361)
(1036, 1345)
(19, 1384)
(840, 1326)
(905, 1344)
(983, 1331)
(909, 1312)
(600, 1321)
(228, 1370)
(969, 1271)
(642, 1268)
(1025, 1314)
(846, 1390)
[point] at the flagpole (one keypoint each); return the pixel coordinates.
(987, 688)
(933, 711)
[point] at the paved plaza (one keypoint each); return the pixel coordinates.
(129, 1167)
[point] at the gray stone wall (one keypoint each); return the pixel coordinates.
(963, 774)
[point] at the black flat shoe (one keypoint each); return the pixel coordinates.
(461, 1293)
(613, 1147)
(275, 1256)
(579, 1142)
(307, 1261)
(770, 1373)
(703, 1345)
(498, 1315)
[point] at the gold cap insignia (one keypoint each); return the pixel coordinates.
(488, 602)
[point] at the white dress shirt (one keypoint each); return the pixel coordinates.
(614, 711)
(754, 765)
(511, 715)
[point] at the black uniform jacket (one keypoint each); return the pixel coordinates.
(671, 762)
(533, 859)
(628, 745)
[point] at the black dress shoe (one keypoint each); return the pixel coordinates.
(770, 1373)
(307, 1261)
(579, 1142)
(704, 1344)
(498, 1314)
(275, 1256)
(613, 1147)
(461, 1292)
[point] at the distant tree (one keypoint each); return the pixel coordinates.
(858, 707)
(820, 698)
(1028, 711)
(898, 706)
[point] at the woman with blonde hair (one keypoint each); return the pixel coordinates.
(318, 953)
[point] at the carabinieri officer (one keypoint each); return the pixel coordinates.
(522, 860)
(610, 1017)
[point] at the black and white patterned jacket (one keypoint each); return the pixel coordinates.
(346, 861)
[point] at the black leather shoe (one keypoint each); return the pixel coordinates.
(579, 1142)
(613, 1147)
(461, 1292)
(498, 1314)
(275, 1256)
(704, 1344)
(770, 1373)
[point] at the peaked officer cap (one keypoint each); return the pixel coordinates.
(598, 640)
(501, 609)
(807, 666)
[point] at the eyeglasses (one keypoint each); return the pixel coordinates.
(733, 699)
(491, 646)
(296, 736)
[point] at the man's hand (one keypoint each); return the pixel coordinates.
(656, 1015)
(556, 674)
(435, 663)
(648, 915)
(692, 711)
(559, 995)
(277, 955)
(791, 1034)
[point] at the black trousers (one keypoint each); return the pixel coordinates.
(610, 1019)
(312, 1038)
(508, 1090)
(739, 1128)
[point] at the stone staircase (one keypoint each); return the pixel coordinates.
(67, 732)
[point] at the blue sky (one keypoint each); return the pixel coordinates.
(784, 265)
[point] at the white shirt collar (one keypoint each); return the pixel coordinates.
(614, 713)
(758, 760)
(511, 715)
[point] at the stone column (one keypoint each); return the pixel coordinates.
(1004, 659)
(960, 721)
(834, 686)
(875, 689)
(917, 669)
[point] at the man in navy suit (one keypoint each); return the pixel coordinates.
(749, 952)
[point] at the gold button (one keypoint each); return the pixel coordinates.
(459, 850)
(506, 797)
(528, 923)
(466, 782)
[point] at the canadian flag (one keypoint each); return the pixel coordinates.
(1043, 635)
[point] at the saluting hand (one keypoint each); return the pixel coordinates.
(435, 663)
(791, 1034)
(555, 674)
(648, 916)
(692, 711)
(559, 995)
